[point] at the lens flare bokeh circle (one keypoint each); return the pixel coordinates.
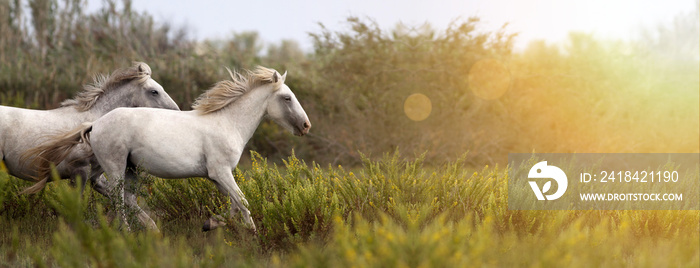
(417, 107)
(489, 79)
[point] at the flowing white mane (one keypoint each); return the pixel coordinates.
(86, 99)
(228, 91)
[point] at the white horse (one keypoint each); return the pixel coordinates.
(205, 142)
(23, 129)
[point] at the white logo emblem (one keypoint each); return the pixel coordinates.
(542, 171)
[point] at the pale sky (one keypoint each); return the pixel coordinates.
(550, 20)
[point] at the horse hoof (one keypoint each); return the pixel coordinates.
(212, 223)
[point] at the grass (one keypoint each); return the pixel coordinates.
(391, 212)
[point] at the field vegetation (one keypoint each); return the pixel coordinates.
(389, 212)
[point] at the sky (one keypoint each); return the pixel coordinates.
(549, 20)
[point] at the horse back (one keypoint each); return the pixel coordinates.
(23, 129)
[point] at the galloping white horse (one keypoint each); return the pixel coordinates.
(23, 129)
(205, 142)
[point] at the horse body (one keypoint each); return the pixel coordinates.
(206, 142)
(24, 129)
(141, 135)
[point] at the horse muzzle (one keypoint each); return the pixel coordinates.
(303, 128)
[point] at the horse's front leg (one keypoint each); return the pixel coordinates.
(226, 184)
(119, 198)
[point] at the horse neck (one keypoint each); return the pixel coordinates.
(246, 113)
(111, 100)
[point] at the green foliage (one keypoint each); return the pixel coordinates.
(46, 61)
(587, 95)
(79, 244)
(18, 206)
(391, 212)
(618, 97)
(184, 199)
(76, 242)
(361, 78)
(292, 207)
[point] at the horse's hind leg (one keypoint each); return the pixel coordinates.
(81, 171)
(84, 177)
(99, 181)
(100, 184)
(114, 165)
(131, 187)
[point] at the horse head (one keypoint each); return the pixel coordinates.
(129, 87)
(146, 92)
(284, 108)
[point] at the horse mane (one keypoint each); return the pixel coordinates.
(226, 92)
(87, 98)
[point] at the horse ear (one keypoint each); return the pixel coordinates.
(143, 68)
(275, 77)
(284, 76)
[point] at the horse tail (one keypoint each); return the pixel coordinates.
(55, 151)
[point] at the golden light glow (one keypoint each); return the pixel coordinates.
(417, 107)
(489, 79)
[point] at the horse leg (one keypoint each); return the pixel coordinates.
(131, 187)
(100, 183)
(82, 171)
(115, 169)
(3, 166)
(84, 177)
(226, 183)
(217, 221)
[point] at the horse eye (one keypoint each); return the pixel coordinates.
(154, 92)
(287, 98)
